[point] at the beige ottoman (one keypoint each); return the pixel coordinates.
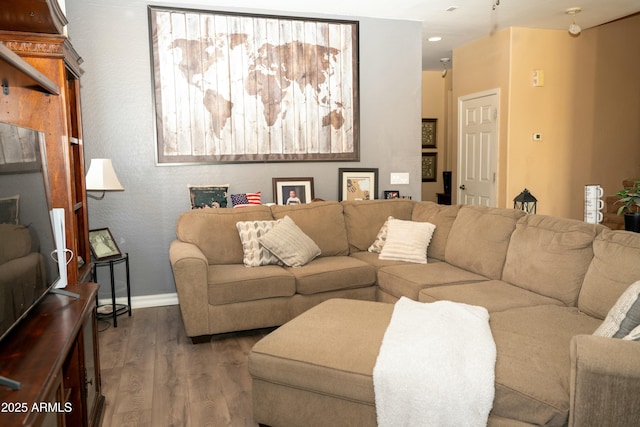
(317, 369)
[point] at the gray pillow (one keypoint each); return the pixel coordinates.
(289, 243)
(624, 316)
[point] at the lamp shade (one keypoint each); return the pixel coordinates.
(102, 177)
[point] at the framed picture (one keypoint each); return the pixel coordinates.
(208, 196)
(357, 184)
(391, 194)
(225, 84)
(429, 167)
(292, 191)
(429, 133)
(103, 245)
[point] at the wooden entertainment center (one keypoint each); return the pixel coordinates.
(53, 353)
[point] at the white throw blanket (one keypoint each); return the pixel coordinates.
(436, 366)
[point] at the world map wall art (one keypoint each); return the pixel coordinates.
(233, 87)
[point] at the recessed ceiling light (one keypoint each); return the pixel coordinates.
(434, 39)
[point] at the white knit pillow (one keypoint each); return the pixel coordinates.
(624, 316)
(377, 244)
(407, 241)
(289, 243)
(254, 253)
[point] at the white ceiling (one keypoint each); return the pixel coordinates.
(473, 19)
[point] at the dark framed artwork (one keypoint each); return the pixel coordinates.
(429, 133)
(236, 87)
(103, 245)
(292, 191)
(429, 167)
(391, 194)
(357, 184)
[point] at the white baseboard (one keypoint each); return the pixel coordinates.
(145, 301)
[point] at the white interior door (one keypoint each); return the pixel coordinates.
(478, 148)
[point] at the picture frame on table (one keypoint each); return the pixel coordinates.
(103, 245)
(357, 183)
(429, 167)
(429, 133)
(292, 191)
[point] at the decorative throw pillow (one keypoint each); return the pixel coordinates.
(208, 196)
(407, 241)
(289, 243)
(245, 199)
(624, 316)
(255, 254)
(377, 244)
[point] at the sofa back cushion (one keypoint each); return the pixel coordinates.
(364, 218)
(442, 216)
(322, 221)
(615, 266)
(479, 239)
(550, 256)
(15, 242)
(214, 231)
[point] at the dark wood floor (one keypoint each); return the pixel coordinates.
(152, 375)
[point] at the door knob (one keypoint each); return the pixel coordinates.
(462, 187)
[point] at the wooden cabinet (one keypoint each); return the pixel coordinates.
(32, 31)
(53, 353)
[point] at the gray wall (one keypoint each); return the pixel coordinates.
(116, 90)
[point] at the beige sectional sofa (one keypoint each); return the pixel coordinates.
(547, 282)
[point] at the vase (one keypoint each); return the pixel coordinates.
(632, 221)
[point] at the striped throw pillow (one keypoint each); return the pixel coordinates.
(290, 244)
(407, 241)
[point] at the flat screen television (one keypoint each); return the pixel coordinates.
(28, 261)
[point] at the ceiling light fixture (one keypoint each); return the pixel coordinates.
(574, 29)
(444, 61)
(434, 38)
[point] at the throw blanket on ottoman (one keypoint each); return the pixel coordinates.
(436, 366)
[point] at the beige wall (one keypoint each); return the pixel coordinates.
(434, 92)
(588, 110)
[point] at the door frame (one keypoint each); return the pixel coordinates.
(495, 150)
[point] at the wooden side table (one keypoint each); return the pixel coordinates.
(116, 309)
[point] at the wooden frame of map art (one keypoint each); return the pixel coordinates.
(429, 167)
(236, 87)
(429, 133)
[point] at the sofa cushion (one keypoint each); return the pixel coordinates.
(364, 219)
(332, 273)
(614, 266)
(214, 231)
(15, 242)
(289, 244)
(322, 221)
(479, 239)
(236, 283)
(407, 241)
(624, 316)
(442, 216)
(550, 256)
(373, 259)
(255, 254)
(408, 279)
(533, 364)
(494, 295)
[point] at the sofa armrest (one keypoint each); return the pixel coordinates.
(190, 268)
(605, 382)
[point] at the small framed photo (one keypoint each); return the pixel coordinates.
(357, 184)
(292, 191)
(429, 167)
(391, 194)
(103, 245)
(429, 133)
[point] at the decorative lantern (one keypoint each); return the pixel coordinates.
(525, 202)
